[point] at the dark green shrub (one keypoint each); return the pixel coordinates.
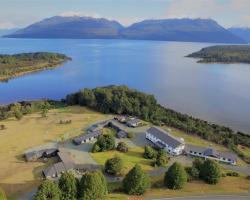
(136, 182)
(210, 172)
(175, 177)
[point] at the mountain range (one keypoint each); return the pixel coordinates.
(243, 33)
(190, 30)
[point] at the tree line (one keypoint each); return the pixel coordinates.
(224, 54)
(13, 65)
(93, 185)
(18, 110)
(123, 100)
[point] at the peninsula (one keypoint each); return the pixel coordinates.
(20, 64)
(223, 54)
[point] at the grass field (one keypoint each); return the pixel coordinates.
(132, 157)
(195, 140)
(18, 176)
(227, 185)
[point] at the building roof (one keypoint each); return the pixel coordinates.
(208, 151)
(64, 157)
(122, 134)
(59, 167)
(66, 164)
(165, 137)
(80, 139)
(31, 155)
(49, 172)
(133, 121)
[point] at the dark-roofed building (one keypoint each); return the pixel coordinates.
(65, 164)
(133, 122)
(43, 153)
(211, 153)
(97, 127)
(87, 138)
(121, 134)
(165, 140)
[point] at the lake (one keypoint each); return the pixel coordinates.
(216, 92)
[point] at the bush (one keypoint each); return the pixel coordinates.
(68, 186)
(235, 174)
(210, 172)
(136, 182)
(192, 172)
(197, 163)
(175, 177)
(122, 146)
(149, 152)
(161, 159)
(130, 135)
(114, 165)
(104, 143)
(93, 186)
(48, 190)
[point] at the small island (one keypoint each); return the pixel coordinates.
(223, 54)
(19, 64)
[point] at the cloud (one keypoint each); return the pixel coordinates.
(79, 14)
(7, 25)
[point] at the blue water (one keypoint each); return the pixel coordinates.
(216, 92)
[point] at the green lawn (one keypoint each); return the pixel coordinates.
(132, 157)
(194, 140)
(227, 185)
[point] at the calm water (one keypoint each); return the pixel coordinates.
(215, 92)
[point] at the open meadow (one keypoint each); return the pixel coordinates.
(17, 176)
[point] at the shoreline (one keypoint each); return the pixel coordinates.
(19, 74)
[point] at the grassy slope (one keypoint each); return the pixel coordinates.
(227, 185)
(132, 157)
(17, 176)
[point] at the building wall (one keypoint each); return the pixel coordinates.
(175, 151)
(201, 155)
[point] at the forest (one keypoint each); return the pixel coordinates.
(123, 100)
(19, 64)
(223, 54)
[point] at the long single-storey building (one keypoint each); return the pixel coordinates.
(87, 138)
(165, 140)
(210, 153)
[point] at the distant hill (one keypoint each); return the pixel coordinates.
(7, 31)
(191, 30)
(241, 32)
(70, 27)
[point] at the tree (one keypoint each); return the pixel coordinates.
(197, 163)
(175, 177)
(48, 190)
(149, 152)
(114, 166)
(210, 172)
(122, 146)
(136, 182)
(161, 159)
(16, 109)
(104, 143)
(92, 186)
(68, 186)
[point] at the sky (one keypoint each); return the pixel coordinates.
(228, 13)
